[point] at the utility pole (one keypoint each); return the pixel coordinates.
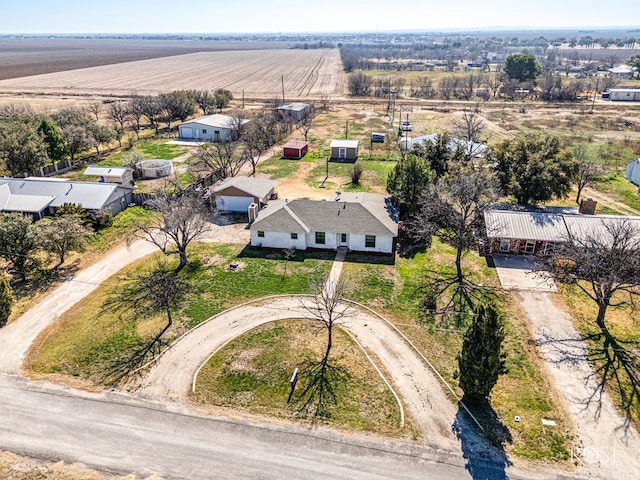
(282, 78)
(243, 98)
(346, 130)
(594, 95)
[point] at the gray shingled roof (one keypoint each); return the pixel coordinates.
(362, 213)
(257, 187)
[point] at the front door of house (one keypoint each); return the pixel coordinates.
(343, 239)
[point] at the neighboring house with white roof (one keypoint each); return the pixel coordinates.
(363, 222)
(42, 196)
(211, 128)
(121, 175)
(236, 194)
(624, 94)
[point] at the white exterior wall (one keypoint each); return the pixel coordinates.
(330, 240)
(198, 132)
(277, 240)
(384, 244)
(625, 95)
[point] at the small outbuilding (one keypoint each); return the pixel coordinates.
(295, 111)
(236, 194)
(295, 149)
(344, 149)
(119, 175)
(211, 128)
(632, 172)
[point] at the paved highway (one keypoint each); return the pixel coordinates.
(119, 434)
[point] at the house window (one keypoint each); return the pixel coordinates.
(320, 238)
(505, 245)
(260, 234)
(204, 130)
(294, 236)
(370, 241)
(530, 247)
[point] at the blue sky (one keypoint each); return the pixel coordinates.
(225, 16)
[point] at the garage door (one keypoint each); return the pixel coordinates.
(234, 204)
(186, 132)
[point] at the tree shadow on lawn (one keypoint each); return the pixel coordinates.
(612, 362)
(485, 455)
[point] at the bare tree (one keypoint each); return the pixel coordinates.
(135, 110)
(588, 171)
(221, 158)
(95, 107)
(470, 125)
(304, 124)
(118, 114)
(180, 218)
(205, 100)
(325, 309)
(256, 140)
(604, 263)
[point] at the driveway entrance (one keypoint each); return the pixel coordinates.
(516, 272)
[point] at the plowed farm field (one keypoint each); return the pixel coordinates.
(259, 74)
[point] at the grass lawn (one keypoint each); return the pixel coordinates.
(621, 189)
(623, 326)
(87, 339)
(253, 372)
(278, 167)
(394, 290)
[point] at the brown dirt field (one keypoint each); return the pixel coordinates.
(257, 74)
(21, 57)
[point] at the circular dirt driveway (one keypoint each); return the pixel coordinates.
(430, 409)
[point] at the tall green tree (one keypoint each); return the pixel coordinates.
(482, 360)
(56, 148)
(6, 299)
(439, 154)
(19, 242)
(222, 97)
(407, 180)
(22, 146)
(534, 168)
(62, 234)
(522, 67)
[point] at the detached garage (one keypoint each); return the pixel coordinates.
(236, 194)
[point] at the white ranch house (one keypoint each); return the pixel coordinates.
(362, 222)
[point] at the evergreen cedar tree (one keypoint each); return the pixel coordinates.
(481, 360)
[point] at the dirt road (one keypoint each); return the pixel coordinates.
(605, 445)
(17, 337)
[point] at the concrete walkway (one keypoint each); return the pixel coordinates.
(334, 274)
